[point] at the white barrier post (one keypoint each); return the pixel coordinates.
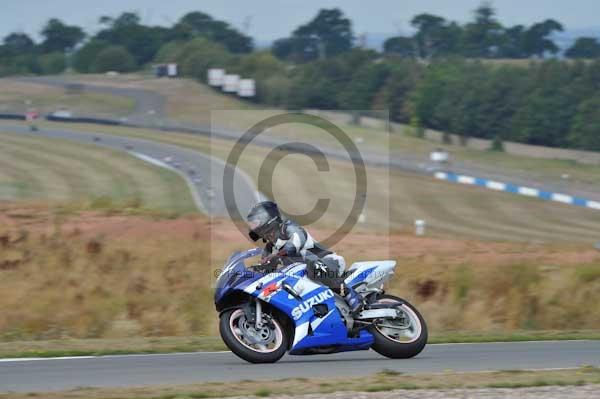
(419, 227)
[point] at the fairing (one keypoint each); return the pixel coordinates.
(311, 331)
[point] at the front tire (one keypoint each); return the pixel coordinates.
(399, 343)
(266, 345)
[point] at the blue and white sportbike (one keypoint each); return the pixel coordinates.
(264, 314)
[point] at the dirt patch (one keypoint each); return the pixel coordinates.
(356, 246)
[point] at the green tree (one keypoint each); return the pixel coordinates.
(199, 24)
(85, 58)
(511, 43)
(19, 43)
(53, 63)
(400, 46)
(169, 52)
(269, 72)
(396, 93)
(260, 65)
(19, 64)
(316, 85)
(545, 115)
(114, 58)
(200, 54)
(497, 144)
(284, 49)
(358, 94)
(60, 37)
(584, 47)
(142, 42)
(430, 34)
(326, 35)
(536, 40)
(585, 130)
(482, 36)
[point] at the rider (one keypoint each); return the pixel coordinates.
(291, 242)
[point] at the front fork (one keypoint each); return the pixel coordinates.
(258, 318)
(254, 313)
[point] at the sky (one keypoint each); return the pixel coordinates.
(266, 20)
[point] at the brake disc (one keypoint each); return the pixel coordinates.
(261, 336)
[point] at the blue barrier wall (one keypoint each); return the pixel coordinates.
(519, 190)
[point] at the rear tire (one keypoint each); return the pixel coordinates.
(229, 322)
(387, 346)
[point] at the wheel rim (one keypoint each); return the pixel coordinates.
(405, 329)
(263, 340)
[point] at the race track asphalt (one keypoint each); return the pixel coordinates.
(186, 368)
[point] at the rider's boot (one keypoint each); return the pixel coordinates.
(354, 300)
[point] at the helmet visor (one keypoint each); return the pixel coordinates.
(261, 222)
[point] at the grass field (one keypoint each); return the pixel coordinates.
(18, 97)
(396, 199)
(33, 168)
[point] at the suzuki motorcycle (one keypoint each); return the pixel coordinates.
(266, 313)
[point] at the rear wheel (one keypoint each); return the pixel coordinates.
(266, 344)
(402, 337)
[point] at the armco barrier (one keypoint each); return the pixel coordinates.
(14, 117)
(97, 121)
(519, 190)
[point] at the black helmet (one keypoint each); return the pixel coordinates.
(263, 218)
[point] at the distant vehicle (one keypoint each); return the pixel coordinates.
(168, 159)
(165, 70)
(439, 155)
(62, 113)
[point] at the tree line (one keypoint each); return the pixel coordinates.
(442, 77)
(123, 44)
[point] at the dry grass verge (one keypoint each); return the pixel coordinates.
(385, 380)
(99, 275)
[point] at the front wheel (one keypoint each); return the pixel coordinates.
(402, 337)
(255, 345)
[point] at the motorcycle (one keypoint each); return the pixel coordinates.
(264, 313)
